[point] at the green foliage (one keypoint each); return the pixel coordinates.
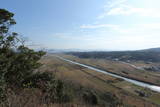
(2, 91)
(23, 63)
(6, 20)
(38, 80)
(56, 90)
(17, 62)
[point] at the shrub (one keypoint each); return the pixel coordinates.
(2, 91)
(23, 63)
(59, 92)
(38, 80)
(110, 99)
(90, 97)
(56, 90)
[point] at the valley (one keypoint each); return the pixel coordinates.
(99, 82)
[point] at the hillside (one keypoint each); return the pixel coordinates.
(152, 50)
(148, 55)
(100, 83)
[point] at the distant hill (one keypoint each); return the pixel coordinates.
(68, 50)
(148, 55)
(65, 50)
(152, 50)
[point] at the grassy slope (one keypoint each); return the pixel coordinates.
(100, 82)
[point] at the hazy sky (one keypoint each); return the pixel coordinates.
(88, 24)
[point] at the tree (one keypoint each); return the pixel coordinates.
(17, 61)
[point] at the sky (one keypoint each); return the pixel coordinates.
(87, 24)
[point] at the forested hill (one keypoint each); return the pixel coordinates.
(149, 55)
(152, 50)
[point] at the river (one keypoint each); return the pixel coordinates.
(139, 83)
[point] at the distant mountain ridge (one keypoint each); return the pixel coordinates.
(96, 50)
(152, 50)
(147, 55)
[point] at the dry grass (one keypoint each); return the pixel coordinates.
(35, 98)
(119, 68)
(98, 81)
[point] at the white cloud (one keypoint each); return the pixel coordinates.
(114, 3)
(99, 26)
(119, 7)
(151, 26)
(128, 10)
(146, 28)
(111, 27)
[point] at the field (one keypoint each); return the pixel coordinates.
(121, 68)
(128, 93)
